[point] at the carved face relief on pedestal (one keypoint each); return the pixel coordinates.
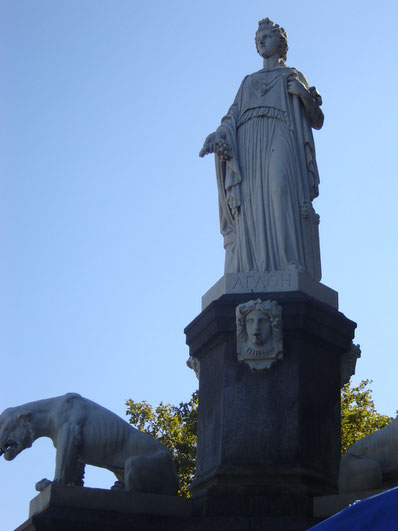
(258, 327)
(259, 333)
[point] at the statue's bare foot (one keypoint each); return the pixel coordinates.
(42, 484)
(118, 485)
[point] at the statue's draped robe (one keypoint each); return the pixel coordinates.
(266, 188)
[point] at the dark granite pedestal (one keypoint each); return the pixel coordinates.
(268, 441)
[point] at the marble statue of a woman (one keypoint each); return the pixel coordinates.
(266, 169)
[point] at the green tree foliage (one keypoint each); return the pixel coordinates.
(175, 427)
(358, 414)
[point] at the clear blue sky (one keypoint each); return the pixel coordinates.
(108, 218)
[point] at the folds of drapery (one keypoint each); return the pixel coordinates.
(255, 91)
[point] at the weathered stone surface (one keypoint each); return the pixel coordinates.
(259, 333)
(81, 520)
(108, 500)
(349, 363)
(275, 432)
(84, 432)
(371, 462)
(266, 169)
(65, 508)
(277, 281)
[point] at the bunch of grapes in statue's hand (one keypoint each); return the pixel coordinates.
(222, 150)
(215, 143)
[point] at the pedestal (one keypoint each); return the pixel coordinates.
(277, 281)
(268, 441)
(65, 508)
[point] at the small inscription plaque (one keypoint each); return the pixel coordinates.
(289, 280)
(262, 281)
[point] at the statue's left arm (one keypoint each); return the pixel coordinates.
(298, 85)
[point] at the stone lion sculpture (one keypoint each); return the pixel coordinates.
(84, 432)
(371, 462)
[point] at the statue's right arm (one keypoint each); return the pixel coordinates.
(219, 136)
(210, 144)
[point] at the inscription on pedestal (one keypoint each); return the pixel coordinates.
(272, 282)
(260, 281)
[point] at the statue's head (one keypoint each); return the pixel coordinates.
(258, 322)
(267, 27)
(15, 432)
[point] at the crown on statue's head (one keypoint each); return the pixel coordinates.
(267, 23)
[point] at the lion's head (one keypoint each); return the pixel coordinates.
(15, 432)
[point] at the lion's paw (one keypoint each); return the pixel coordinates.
(42, 484)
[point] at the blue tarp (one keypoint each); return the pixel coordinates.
(379, 513)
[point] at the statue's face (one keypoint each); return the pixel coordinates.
(268, 43)
(258, 327)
